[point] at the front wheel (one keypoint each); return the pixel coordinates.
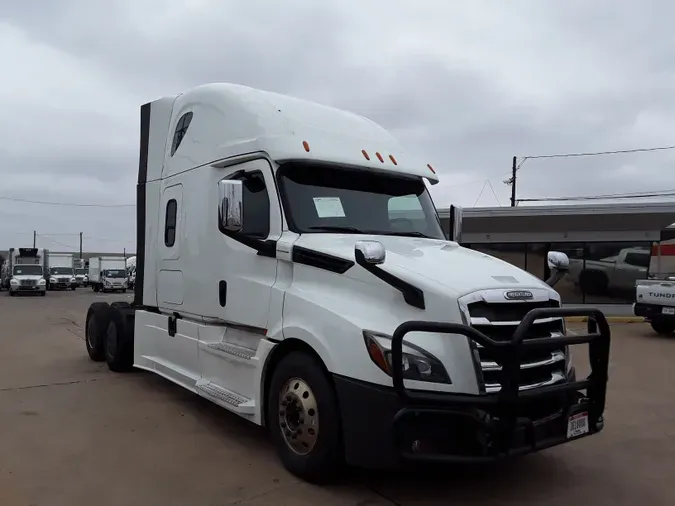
(304, 419)
(663, 326)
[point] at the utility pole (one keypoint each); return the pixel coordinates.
(513, 181)
(34, 238)
(80, 245)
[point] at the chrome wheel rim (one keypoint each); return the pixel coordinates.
(298, 416)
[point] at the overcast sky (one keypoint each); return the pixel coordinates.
(465, 84)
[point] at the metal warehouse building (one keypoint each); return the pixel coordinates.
(608, 245)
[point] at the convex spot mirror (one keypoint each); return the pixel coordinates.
(559, 264)
(557, 260)
(370, 252)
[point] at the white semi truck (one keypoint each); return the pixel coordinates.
(273, 280)
(108, 274)
(25, 271)
(61, 272)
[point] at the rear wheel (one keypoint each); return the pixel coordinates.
(304, 419)
(663, 326)
(119, 352)
(96, 325)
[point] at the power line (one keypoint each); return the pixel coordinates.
(598, 153)
(494, 193)
(64, 204)
(517, 166)
(481, 192)
(57, 242)
(617, 196)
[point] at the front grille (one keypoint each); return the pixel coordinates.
(28, 282)
(499, 321)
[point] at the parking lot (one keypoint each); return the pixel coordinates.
(73, 433)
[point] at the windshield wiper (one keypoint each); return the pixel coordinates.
(346, 230)
(412, 233)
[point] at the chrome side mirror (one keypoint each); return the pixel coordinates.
(230, 205)
(559, 263)
(370, 252)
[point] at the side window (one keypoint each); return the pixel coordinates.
(170, 223)
(181, 128)
(256, 212)
(638, 259)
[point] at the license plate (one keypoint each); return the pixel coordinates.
(577, 425)
(668, 310)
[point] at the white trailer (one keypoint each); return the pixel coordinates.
(61, 272)
(25, 271)
(108, 274)
(273, 279)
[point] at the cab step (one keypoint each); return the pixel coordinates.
(232, 350)
(226, 398)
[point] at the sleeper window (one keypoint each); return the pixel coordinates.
(170, 223)
(181, 128)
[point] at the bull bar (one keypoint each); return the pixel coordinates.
(497, 415)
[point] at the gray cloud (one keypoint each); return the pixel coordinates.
(466, 85)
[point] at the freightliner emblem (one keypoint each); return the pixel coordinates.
(518, 295)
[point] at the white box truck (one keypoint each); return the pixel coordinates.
(25, 271)
(108, 274)
(273, 279)
(61, 272)
(81, 272)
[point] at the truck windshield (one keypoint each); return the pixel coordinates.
(321, 199)
(27, 270)
(61, 271)
(115, 273)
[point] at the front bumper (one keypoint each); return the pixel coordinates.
(389, 426)
(27, 288)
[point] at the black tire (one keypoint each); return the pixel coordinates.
(95, 287)
(663, 326)
(42, 294)
(324, 462)
(73, 288)
(119, 350)
(95, 327)
(11, 293)
(124, 290)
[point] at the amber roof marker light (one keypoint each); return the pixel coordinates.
(305, 145)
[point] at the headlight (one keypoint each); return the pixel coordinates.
(418, 364)
(42, 281)
(13, 281)
(72, 280)
(52, 280)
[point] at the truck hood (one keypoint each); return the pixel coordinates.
(458, 269)
(27, 276)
